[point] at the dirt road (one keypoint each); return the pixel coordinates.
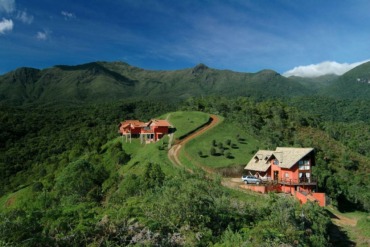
(173, 153)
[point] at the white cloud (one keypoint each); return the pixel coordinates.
(6, 25)
(324, 68)
(24, 17)
(42, 35)
(7, 6)
(68, 15)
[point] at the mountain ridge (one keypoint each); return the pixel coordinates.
(106, 81)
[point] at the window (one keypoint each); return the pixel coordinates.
(287, 175)
(304, 165)
(276, 162)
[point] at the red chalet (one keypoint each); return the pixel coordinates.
(286, 170)
(148, 132)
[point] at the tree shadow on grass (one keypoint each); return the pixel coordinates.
(338, 236)
(135, 164)
(217, 154)
(235, 147)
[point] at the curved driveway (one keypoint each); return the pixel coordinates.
(173, 153)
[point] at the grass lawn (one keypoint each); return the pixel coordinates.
(17, 199)
(356, 225)
(361, 232)
(186, 121)
(238, 146)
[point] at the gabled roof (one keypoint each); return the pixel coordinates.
(287, 158)
(159, 122)
(260, 161)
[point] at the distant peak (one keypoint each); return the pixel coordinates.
(268, 71)
(200, 68)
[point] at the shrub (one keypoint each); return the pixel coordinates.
(214, 143)
(38, 186)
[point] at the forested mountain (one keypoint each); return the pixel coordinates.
(316, 83)
(101, 81)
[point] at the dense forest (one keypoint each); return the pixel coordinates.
(62, 185)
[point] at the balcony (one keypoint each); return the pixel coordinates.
(300, 181)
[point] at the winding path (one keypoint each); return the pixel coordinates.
(173, 153)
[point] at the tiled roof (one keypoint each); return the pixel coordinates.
(159, 122)
(287, 158)
(260, 161)
(135, 123)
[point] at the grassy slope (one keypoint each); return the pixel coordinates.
(356, 224)
(241, 150)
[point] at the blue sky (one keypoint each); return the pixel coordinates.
(240, 35)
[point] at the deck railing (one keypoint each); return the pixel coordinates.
(299, 181)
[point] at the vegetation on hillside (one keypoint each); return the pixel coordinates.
(341, 147)
(67, 179)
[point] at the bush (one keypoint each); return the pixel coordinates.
(37, 187)
(229, 155)
(214, 143)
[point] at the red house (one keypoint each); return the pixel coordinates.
(148, 132)
(286, 170)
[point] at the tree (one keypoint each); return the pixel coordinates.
(214, 143)
(153, 176)
(228, 142)
(78, 178)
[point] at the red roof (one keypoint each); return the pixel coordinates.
(159, 122)
(135, 123)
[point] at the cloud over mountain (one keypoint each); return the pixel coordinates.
(323, 68)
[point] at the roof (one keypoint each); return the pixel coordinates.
(135, 123)
(260, 161)
(159, 122)
(287, 158)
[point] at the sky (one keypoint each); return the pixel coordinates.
(292, 37)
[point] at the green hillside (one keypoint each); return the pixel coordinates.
(316, 83)
(68, 178)
(103, 81)
(109, 81)
(355, 84)
(233, 146)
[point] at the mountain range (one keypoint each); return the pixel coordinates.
(104, 81)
